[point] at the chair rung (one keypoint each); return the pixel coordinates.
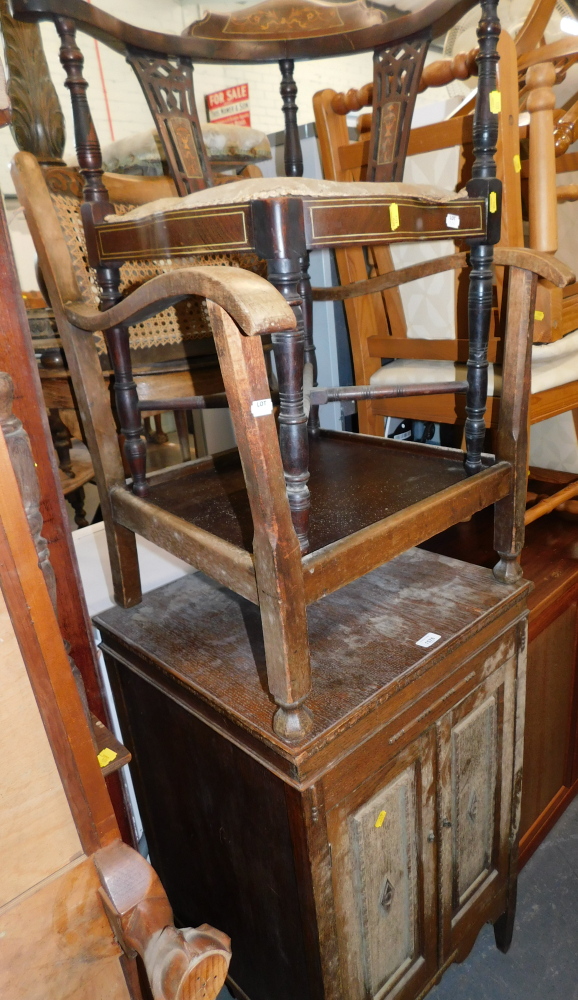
(218, 400)
(353, 392)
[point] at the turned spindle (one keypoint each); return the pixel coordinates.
(482, 184)
(96, 206)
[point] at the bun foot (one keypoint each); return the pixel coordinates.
(508, 569)
(292, 724)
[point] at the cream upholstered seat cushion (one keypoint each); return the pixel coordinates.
(552, 365)
(143, 151)
(259, 188)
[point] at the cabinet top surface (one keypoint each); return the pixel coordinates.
(364, 638)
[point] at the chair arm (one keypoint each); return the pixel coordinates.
(253, 302)
(542, 264)
(545, 265)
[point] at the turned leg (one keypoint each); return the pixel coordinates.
(289, 349)
(61, 440)
(182, 425)
(76, 500)
(479, 313)
(126, 399)
(310, 354)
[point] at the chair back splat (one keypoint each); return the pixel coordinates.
(251, 520)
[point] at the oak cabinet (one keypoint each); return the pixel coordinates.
(359, 864)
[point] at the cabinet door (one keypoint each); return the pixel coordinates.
(476, 741)
(383, 860)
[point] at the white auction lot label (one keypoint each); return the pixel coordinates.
(261, 407)
(428, 639)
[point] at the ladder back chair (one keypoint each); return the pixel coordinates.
(244, 518)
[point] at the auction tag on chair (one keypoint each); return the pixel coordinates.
(261, 407)
(428, 639)
(452, 221)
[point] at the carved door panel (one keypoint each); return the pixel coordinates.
(383, 856)
(476, 741)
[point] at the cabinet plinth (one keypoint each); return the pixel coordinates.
(365, 860)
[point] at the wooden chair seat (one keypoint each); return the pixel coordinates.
(356, 481)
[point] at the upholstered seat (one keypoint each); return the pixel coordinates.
(262, 188)
(143, 152)
(552, 365)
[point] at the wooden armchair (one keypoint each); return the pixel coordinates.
(249, 519)
(280, 222)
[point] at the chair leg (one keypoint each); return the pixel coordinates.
(280, 240)
(126, 399)
(182, 425)
(289, 349)
(310, 356)
(513, 426)
(61, 440)
(76, 500)
(277, 558)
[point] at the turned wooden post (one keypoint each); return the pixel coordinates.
(483, 184)
(288, 90)
(95, 207)
(279, 223)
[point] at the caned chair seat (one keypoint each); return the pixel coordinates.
(262, 188)
(552, 365)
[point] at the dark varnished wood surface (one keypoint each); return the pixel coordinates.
(354, 483)
(359, 27)
(363, 637)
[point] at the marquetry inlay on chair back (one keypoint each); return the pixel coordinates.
(275, 31)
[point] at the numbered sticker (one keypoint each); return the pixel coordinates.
(453, 221)
(428, 639)
(261, 407)
(394, 216)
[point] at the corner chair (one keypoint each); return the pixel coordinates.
(247, 518)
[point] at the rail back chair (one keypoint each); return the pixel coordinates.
(281, 220)
(229, 515)
(377, 331)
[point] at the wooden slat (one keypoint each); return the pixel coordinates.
(221, 560)
(349, 558)
(433, 350)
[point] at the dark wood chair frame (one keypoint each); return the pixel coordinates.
(284, 230)
(277, 575)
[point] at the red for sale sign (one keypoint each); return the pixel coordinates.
(230, 105)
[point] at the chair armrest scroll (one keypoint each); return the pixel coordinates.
(253, 302)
